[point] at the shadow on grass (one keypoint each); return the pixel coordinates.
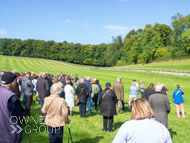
(90, 140)
(172, 133)
(117, 125)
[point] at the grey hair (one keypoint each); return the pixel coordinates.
(1, 74)
(133, 83)
(88, 78)
(14, 71)
(68, 81)
(158, 88)
(82, 80)
(56, 89)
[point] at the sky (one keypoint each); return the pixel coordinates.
(83, 21)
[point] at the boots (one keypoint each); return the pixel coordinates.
(83, 115)
(71, 113)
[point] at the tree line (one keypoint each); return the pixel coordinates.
(156, 42)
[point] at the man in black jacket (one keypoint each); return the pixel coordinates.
(148, 91)
(42, 87)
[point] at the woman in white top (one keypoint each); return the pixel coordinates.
(142, 128)
(69, 97)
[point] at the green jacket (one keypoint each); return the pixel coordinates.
(119, 91)
(95, 89)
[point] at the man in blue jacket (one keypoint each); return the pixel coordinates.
(134, 91)
(89, 86)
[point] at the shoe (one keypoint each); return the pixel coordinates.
(110, 131)
(103, 130)
(83, 115)
(36, 102)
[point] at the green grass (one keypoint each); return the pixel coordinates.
(88, 130)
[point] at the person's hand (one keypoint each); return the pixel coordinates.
(68, 121)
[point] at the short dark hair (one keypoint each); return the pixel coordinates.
(97, 81)
(28, 73)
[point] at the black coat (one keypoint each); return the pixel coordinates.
(82, 95)
(42, 86)
(147, 93)
(108, 103)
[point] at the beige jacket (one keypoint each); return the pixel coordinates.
(118, 89)
(56, 111)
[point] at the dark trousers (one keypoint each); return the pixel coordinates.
(41, 105)
(28, 99)
(105, 122)
(82, 108)
(55, 134)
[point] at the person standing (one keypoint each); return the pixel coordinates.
(69, 97)
(10, 111)
(76, 78)
(56, 112)
(82, 93)
(161, 106)
(133, 93)
(94, 94)
(42, 87)
(108, 102)
(178, 100)
(118, 89)
(27, 87)
(89, 86)
(142, 128)
(142, 88)
(98, 83)
(148, 91)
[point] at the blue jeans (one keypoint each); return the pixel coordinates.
(89, 104)
(142, 93)
(82, 108)
(123, 105)
(23, 99)
(41, 105)
(55, 134)
(62, 94)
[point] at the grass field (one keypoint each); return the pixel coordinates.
(88, 130)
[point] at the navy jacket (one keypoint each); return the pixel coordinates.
(89, 86)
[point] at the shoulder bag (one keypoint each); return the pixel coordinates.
(77, 100)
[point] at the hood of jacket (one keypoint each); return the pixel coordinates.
(25, 78)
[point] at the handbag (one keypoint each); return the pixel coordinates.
(77, 100)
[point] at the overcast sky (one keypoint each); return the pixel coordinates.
(83, 21)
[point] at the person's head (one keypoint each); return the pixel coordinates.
(44, 75)
(28, 74)
(21, 74)
(76, 75)
(134, 80)
(35, 77)
(1, 74)
(5, 70)
(158, 83)
(97, 81)
(141, 82)
(88, 78)
(151, 85)
(119, 79)
(82, 80)
(162, 84)
(68, 81)
(55, 80)
(56, 89)
(134, 83)
(108, 86)
(93, 82)
(141, 109)
(177, 86)
(32, 74)
(158, 88)
(8, 80)
(14, 71)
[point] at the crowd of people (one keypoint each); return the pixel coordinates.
(56, 95)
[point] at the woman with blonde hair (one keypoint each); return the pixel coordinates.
(108, 102)
(178, 100)
(142, 128)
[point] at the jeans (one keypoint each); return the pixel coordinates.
(23, 99)
(62, 94)
(28, 103)
(142, 93)
(89, 104)
(82, 108)
(123, 105)
(55, 134)
(41, 105)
